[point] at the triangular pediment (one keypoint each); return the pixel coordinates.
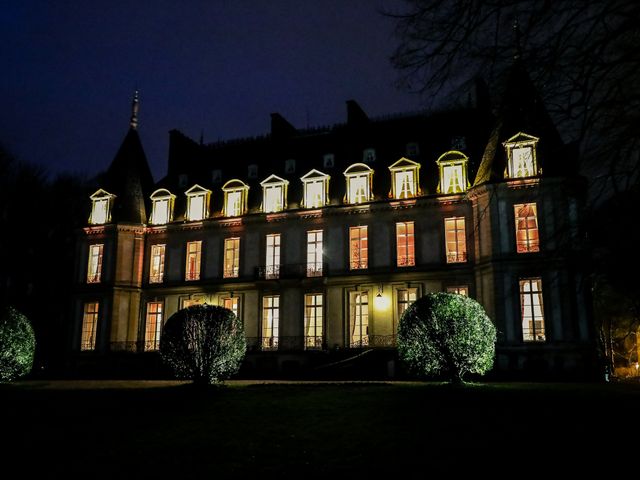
(404, 163)
(196, 189)
(314, 174)
(273, 180)
(100, 193)
(522, 137)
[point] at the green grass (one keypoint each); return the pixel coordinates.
(147, 429)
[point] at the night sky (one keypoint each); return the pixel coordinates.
(218, 66)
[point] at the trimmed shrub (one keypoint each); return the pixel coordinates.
(447, 334)
(17, 345)
(204, 343)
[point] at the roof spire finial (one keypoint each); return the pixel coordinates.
(135, 105)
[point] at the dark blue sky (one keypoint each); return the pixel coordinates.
(222, 66)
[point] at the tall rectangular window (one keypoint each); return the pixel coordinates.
(359, 188)
(459, 289)
(313, 321)
(358, 248)
(406, 296)
(153, 326)
(234, 203)
(273, 198)
(314, 192)
(405, 185)
(527, 239)
(194, 253)
(94, 269)
(156, 270)
(455, 239)
(314, 253)
(532, 310)
(359, 319)
(272, 264)
(405, 244)
(232, 303)
(89, 326)
(270, 322)
(231, 257)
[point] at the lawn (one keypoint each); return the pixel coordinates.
(144, 429)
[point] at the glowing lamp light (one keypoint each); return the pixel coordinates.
(381, 302)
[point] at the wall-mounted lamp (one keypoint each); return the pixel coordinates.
(379, 295)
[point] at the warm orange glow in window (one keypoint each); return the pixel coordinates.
(270, 322)
(153, 326)
(313, 321)
(94, 269)
(532, 310)
(358, 248)
(314, 253)
(406, 296)
(527, 238)
(459, 289)
(232, 303)
(156, 269)
(359, 319)
(456, 244)
(194, 252)
(405, 244)
(89, 326)
(231, 257)
(272, 264)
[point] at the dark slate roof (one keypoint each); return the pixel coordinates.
(130, 179)
(522, 110)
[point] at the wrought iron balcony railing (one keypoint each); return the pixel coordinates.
(457, 257)
(290, 270)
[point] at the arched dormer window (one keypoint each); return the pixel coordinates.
(316, 189)
(197, 203)
(162, 208)
(359, 177)
(405, 179)
(453, 172)
(274, 194)
(102, 201)
(235, 198)
(521, 156)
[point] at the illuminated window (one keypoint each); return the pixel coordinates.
(453, 172)
(153, 326)
(194, 252)
(369, 155)
(233, 304)
(455, 240)
(527, 239)
(532, 310)
(359, 319)
(316, 188)
(404, 178)
(197, 203)
(189, 302)
(358, 248)
(270, 322)
(162, 210)
(101, 207)
(274, 194)
(94, 269)
(235, 198)
(89, 325)
(358, 178)
(272, 264)
(406, 252)
(313, 321)
(406, 296)
(459, 289)
(314, 253)
(231, 257)
(156, 269)
(521, 156)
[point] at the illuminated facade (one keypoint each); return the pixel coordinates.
(320, 239)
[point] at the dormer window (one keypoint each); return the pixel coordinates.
(404, 179)
(521, 156)
(235, 198)
(252, 171)
(369, 155)
(216, 175)
(162, 210)
(453, 172)
(197, 203)
(183, 180)
(274, 194)
(412, 149)
(101, 207)
(290, 166)
(328, 160)
(316, 189)
(359, 178)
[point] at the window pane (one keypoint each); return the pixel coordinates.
(270, 322)
(358, 248)
(94, 269)
(196, 207)
(314, 253)
(455, 240)
(89, 325)
(522, 162)
(272, 266)
(153, 326)
(313, 321)
(533, 328)
(194, 251)
(359, 319)
(156, 270)
(231, 257)
(526, 221)
(405, 244)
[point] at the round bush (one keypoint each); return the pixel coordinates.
(204, 343)
(447, 334)
(17, 345)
